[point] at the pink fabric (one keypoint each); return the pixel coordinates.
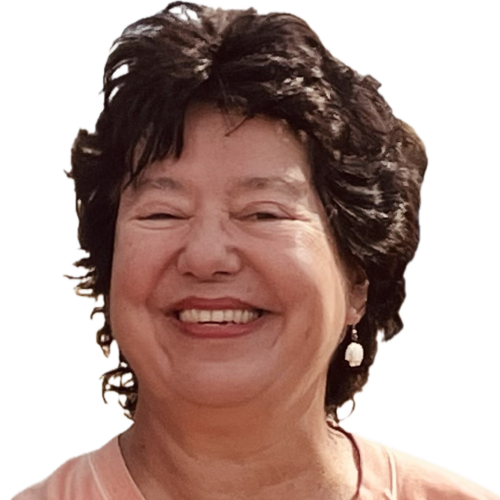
(384, 475)
(99, 475)
(392, 475)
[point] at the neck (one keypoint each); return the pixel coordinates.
(245, 453)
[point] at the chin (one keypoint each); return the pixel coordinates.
(224, 385)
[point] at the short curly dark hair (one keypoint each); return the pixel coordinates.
(367, 166)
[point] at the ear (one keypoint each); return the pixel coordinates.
(356, 303)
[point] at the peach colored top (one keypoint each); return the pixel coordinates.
(384, 475)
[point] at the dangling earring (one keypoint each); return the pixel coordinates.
(354, 352)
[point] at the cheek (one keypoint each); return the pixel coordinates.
(311, 287)
(127, 266)
(319, 264)
(310, 277)
(138, 261)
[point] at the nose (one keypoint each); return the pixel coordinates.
(208, 251)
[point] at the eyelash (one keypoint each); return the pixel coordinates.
(160, 216)
(250, 215)
(255, 215)
(265, 216)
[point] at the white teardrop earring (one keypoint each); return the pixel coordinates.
(354, 352)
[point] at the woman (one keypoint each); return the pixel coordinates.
(249, 205)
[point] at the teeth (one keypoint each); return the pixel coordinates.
(204, 316)
(217, 316)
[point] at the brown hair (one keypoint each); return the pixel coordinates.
(367, 165)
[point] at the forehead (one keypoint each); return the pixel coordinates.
(230, 144)
(203, 119)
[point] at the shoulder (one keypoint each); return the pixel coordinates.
(75, 479)
(402, 477)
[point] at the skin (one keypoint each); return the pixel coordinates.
(225, 411)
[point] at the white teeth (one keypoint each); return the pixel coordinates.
(204, 316)
(217, 316)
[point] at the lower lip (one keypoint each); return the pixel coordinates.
(219, 330)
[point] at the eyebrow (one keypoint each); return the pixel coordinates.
(287, 185)
(163, 183)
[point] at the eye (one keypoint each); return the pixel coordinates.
(263, 212)
(160, 216)
(265, 216)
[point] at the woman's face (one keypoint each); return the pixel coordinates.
(225, 283)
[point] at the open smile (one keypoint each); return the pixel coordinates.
(218, 316)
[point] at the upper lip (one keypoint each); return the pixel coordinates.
(218, 303)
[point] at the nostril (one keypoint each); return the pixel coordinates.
(208, 260)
